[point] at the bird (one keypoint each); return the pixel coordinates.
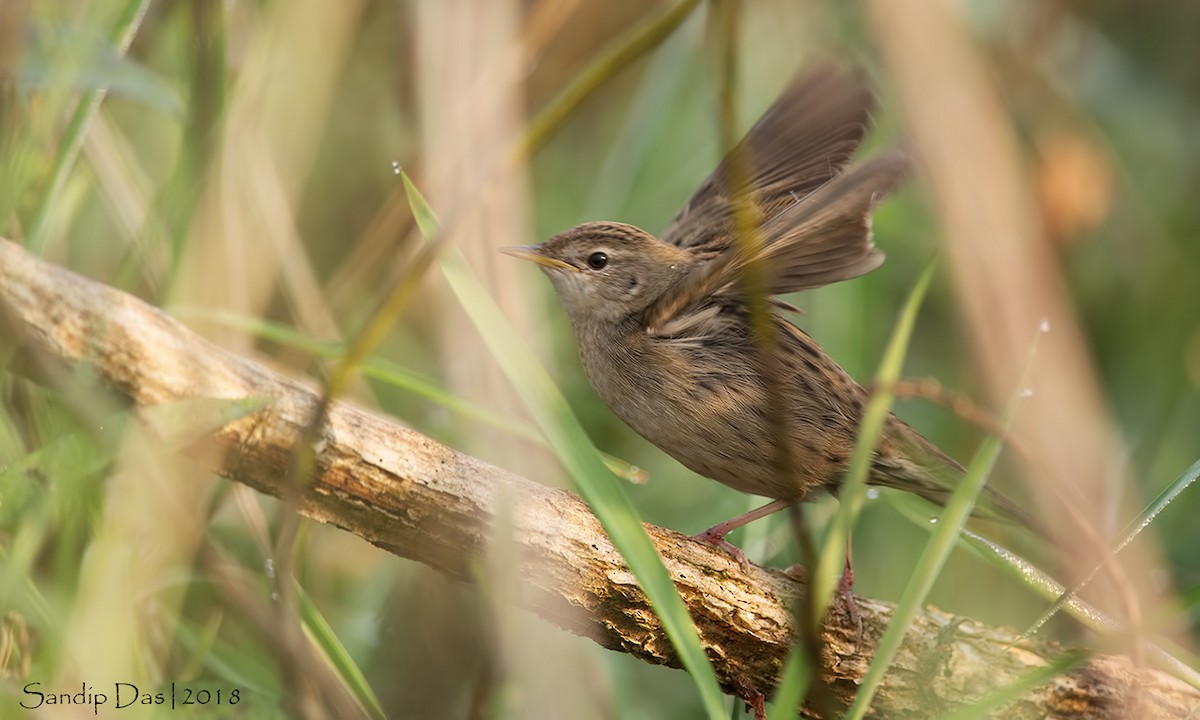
(665, 328)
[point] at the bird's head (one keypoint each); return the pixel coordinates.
(606, 271)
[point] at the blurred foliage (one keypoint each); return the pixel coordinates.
(171, 195)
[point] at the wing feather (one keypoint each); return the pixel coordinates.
(816, 214)
(802, 142)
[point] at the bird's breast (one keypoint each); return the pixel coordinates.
(703, 405)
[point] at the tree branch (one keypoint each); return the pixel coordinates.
(421, 500)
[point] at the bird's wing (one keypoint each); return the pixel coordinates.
(816, 234)
(801, 143)
(826, 236)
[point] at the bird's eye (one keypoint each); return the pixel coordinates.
(597, 260)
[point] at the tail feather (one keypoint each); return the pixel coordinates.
(907, 461)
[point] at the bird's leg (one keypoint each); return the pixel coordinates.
(715, 535)
(756, 702)
(845, 588)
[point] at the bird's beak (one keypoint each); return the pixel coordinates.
(533, 253)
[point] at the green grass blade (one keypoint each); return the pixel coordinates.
(336, 654)
(234, 665)
(72, 141)
(640, 40)
(1031, 576)
(853, 489)
(1042, 583)
(958, 509)
(573, 448)
(944, 538)
(1165, 498)
(1171, 659)
(1000, 697)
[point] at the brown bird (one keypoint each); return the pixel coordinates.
(663, 325)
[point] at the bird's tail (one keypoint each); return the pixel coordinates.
(907, 461)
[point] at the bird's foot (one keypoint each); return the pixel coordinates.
(755, 701)
(714, 536)
(845, 591)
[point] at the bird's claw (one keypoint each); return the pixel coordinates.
(713, 538)
(845, 590)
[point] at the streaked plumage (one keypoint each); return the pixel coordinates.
(663, 328)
